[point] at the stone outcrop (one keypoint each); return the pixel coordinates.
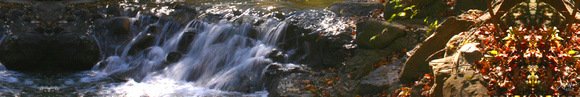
(454, 75)
(384, 77)
(417, 64)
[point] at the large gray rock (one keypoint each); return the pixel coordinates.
(378, 34)
(468, 83)
(441, 70)
(361, 64)
(417, 64)
(354, 8)
(319, 51)
(451, 66)
(384, 77)
(463, 80)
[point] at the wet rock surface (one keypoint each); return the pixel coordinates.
(118, 28)
(416, 64)
(45, 38)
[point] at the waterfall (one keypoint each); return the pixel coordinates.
(222, 56)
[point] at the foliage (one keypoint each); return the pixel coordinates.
(404, 11)
(432, 25)
(373, 38)
(529, 60)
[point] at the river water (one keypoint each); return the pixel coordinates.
(223, 55)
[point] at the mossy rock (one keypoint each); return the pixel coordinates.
(378, 34)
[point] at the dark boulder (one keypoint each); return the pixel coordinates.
(48, 38)
(325, 51)
(118, 26)
(61, 52)
(354, 8)
(319, 51)
(143, 42)
(49, 12)
(114, 11)
(14, 14)
(173, 57)
(82, 14)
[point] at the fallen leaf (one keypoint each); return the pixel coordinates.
(307, 86)
(330, 83)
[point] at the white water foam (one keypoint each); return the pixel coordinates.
(165, 87)
(221, 61)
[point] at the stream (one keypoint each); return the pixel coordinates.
(199, 48)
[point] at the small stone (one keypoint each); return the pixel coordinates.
(173, 57)
(276, 55)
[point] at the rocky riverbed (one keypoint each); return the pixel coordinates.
(262, 48)
(383, 49)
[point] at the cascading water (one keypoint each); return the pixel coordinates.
(221, 53)
(222, 56)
